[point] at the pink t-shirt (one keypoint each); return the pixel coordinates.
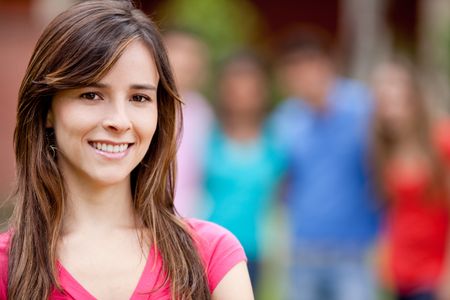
(219, 249)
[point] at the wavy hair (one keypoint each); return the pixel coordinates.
(76, 49)
(385, 139)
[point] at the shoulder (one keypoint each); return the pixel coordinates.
(356, 95)
(212, 237)
(441, 129)
(287, 122)
(352, 87)
(219, 249)
(196, 105)
(288, 107)
(4, 250)
(441, 137)
(4, 239)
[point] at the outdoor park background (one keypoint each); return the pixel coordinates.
(364, 31)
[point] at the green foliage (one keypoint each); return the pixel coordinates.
(447, 48)
(225, 24)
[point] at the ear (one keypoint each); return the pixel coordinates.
(49, 121)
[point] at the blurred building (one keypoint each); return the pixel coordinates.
(17, 38)
(363, 30)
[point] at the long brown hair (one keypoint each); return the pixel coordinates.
(385, 139)
(76, 49)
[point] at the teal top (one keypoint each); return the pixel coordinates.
(241, 179)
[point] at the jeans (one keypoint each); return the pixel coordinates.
(253, 270)
(331, 274)
(417, 296)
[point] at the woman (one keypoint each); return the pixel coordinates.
(95, 143)
(411, 159)
(243, 165)
(188, 55)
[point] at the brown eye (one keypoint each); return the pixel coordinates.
(140, 98)
(90, 96)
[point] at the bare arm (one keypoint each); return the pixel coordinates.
(235, 285)
(443, 289)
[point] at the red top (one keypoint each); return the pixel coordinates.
(417, 222)
(219, 249)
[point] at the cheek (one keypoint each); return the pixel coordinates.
(65, 124)
(394, 101)
(72, 120)
(145, 126)
(72, 124)
(395, 112)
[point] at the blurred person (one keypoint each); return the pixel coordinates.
(332, 216)
(243, 165)
(95, 145)
(411, 159)
(188, 55)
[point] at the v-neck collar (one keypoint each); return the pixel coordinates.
(146, 283)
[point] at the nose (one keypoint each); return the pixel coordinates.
(117, 119)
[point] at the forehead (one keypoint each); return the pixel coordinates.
(242, 68)
(391, 74)
(136, 60)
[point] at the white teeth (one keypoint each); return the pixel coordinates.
(123, 147)
(110, 148)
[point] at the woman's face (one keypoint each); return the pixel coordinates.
(243, 89)
(103, 131)
(393, 91)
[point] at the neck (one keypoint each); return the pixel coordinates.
(319, 103)
(408, 141)
(319, 98)
(242, 128)
(98, 208)
(406, 133)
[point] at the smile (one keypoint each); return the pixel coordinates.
(110, 148)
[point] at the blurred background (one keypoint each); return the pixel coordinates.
(234, 61)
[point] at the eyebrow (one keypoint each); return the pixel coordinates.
(133, 86)
(143, 87)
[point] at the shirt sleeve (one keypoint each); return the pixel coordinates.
(219, 249)
(283, 124)
(4, 248)
(442, 140)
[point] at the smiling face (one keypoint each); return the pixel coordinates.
(104, 130)
(395, 97)
(308, 76)
(243, 88)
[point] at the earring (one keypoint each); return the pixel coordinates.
(144, 164)
(50, 136)
(53, 150)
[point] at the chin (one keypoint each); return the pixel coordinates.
(110, 180)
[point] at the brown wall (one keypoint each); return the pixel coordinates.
(17, 38)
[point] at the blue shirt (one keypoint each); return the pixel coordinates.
(240, 181)
(328, 194)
